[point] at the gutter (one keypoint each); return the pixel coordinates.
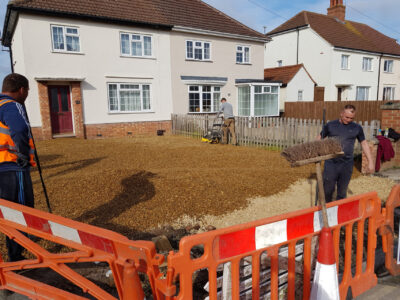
(219, 34)
(289, 30)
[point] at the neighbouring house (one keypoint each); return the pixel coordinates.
(297, 84)
(352, 61)
(117, 68)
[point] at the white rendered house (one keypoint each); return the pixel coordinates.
(98, 69)
(352, 61)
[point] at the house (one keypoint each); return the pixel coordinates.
(115, 68)
(297, 84)
(352, 61)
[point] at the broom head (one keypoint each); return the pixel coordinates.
(313, 151)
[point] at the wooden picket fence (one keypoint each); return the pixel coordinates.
(270, 132)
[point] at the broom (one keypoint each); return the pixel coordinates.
(315, 152)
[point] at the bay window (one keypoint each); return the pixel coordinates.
(129, 97)
(258, 100)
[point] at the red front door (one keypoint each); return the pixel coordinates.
(60, 109)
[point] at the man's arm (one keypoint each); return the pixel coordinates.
(368, 155)
(15, 119)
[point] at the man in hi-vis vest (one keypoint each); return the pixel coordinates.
(16, 149)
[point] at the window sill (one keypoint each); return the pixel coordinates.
(245, 64)
(198, 60)
(388, 72)
(345, 69)
(368, 70)
(130, 112)
(68, 52)
(140, 57)
(204, 112)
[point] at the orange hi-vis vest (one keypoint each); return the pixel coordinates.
(8, 150)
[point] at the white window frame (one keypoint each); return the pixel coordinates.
(65, 35)
(300, 95)
(242, 51)
(367, 92)
(266, 89)
(388, 93)
(367, 64)
(141, 40)
(140, 89)
(214, 102)
(194, 47)
(388, 66)
(347, 66)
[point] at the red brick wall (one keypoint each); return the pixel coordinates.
(126, 129)
(391, 119)
(44, 111)
(76, 100)
(37, 133)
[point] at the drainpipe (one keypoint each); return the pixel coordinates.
(11, 60)
(379, 77)
(297, 54)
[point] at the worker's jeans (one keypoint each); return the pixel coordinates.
(16, 187)
(337, 173)
(229, 124)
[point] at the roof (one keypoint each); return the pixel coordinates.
(347, 34)
(186, 13)
(283, 74)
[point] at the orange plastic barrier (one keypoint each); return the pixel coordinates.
(259, 243)
(387, 231)
(91, 244)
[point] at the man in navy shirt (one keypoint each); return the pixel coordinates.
(16, 149)
(337, 171)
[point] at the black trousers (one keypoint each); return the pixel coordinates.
(337, 173)
(16, 187)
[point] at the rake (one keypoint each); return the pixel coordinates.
(315, 152)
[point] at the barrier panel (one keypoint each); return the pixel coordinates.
(260, 244)
(87, 243)
(388, 231)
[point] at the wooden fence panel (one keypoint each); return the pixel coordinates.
(263, 131)
(366, 110)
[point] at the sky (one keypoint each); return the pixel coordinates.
(265, 15)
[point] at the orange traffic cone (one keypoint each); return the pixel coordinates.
(325, 285)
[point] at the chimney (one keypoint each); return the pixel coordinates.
(337, 9)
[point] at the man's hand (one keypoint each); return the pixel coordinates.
(370, 167)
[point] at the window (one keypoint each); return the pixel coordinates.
(65, 38)
(280, 63)
(242, 54)
(300, 95)
(388, 93)
(128, 97)
(345, 62)
(258, 100)
(198, 50)
(388, 66)
(204, 98)
(362, 93)
(136, 45)
(367, 64)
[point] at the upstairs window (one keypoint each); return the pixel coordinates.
(136, 45)
(388, 66)
(128, 97)
(198, 50)
(345, 62)
(65, 38)
(242, 55)
(367, 64)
